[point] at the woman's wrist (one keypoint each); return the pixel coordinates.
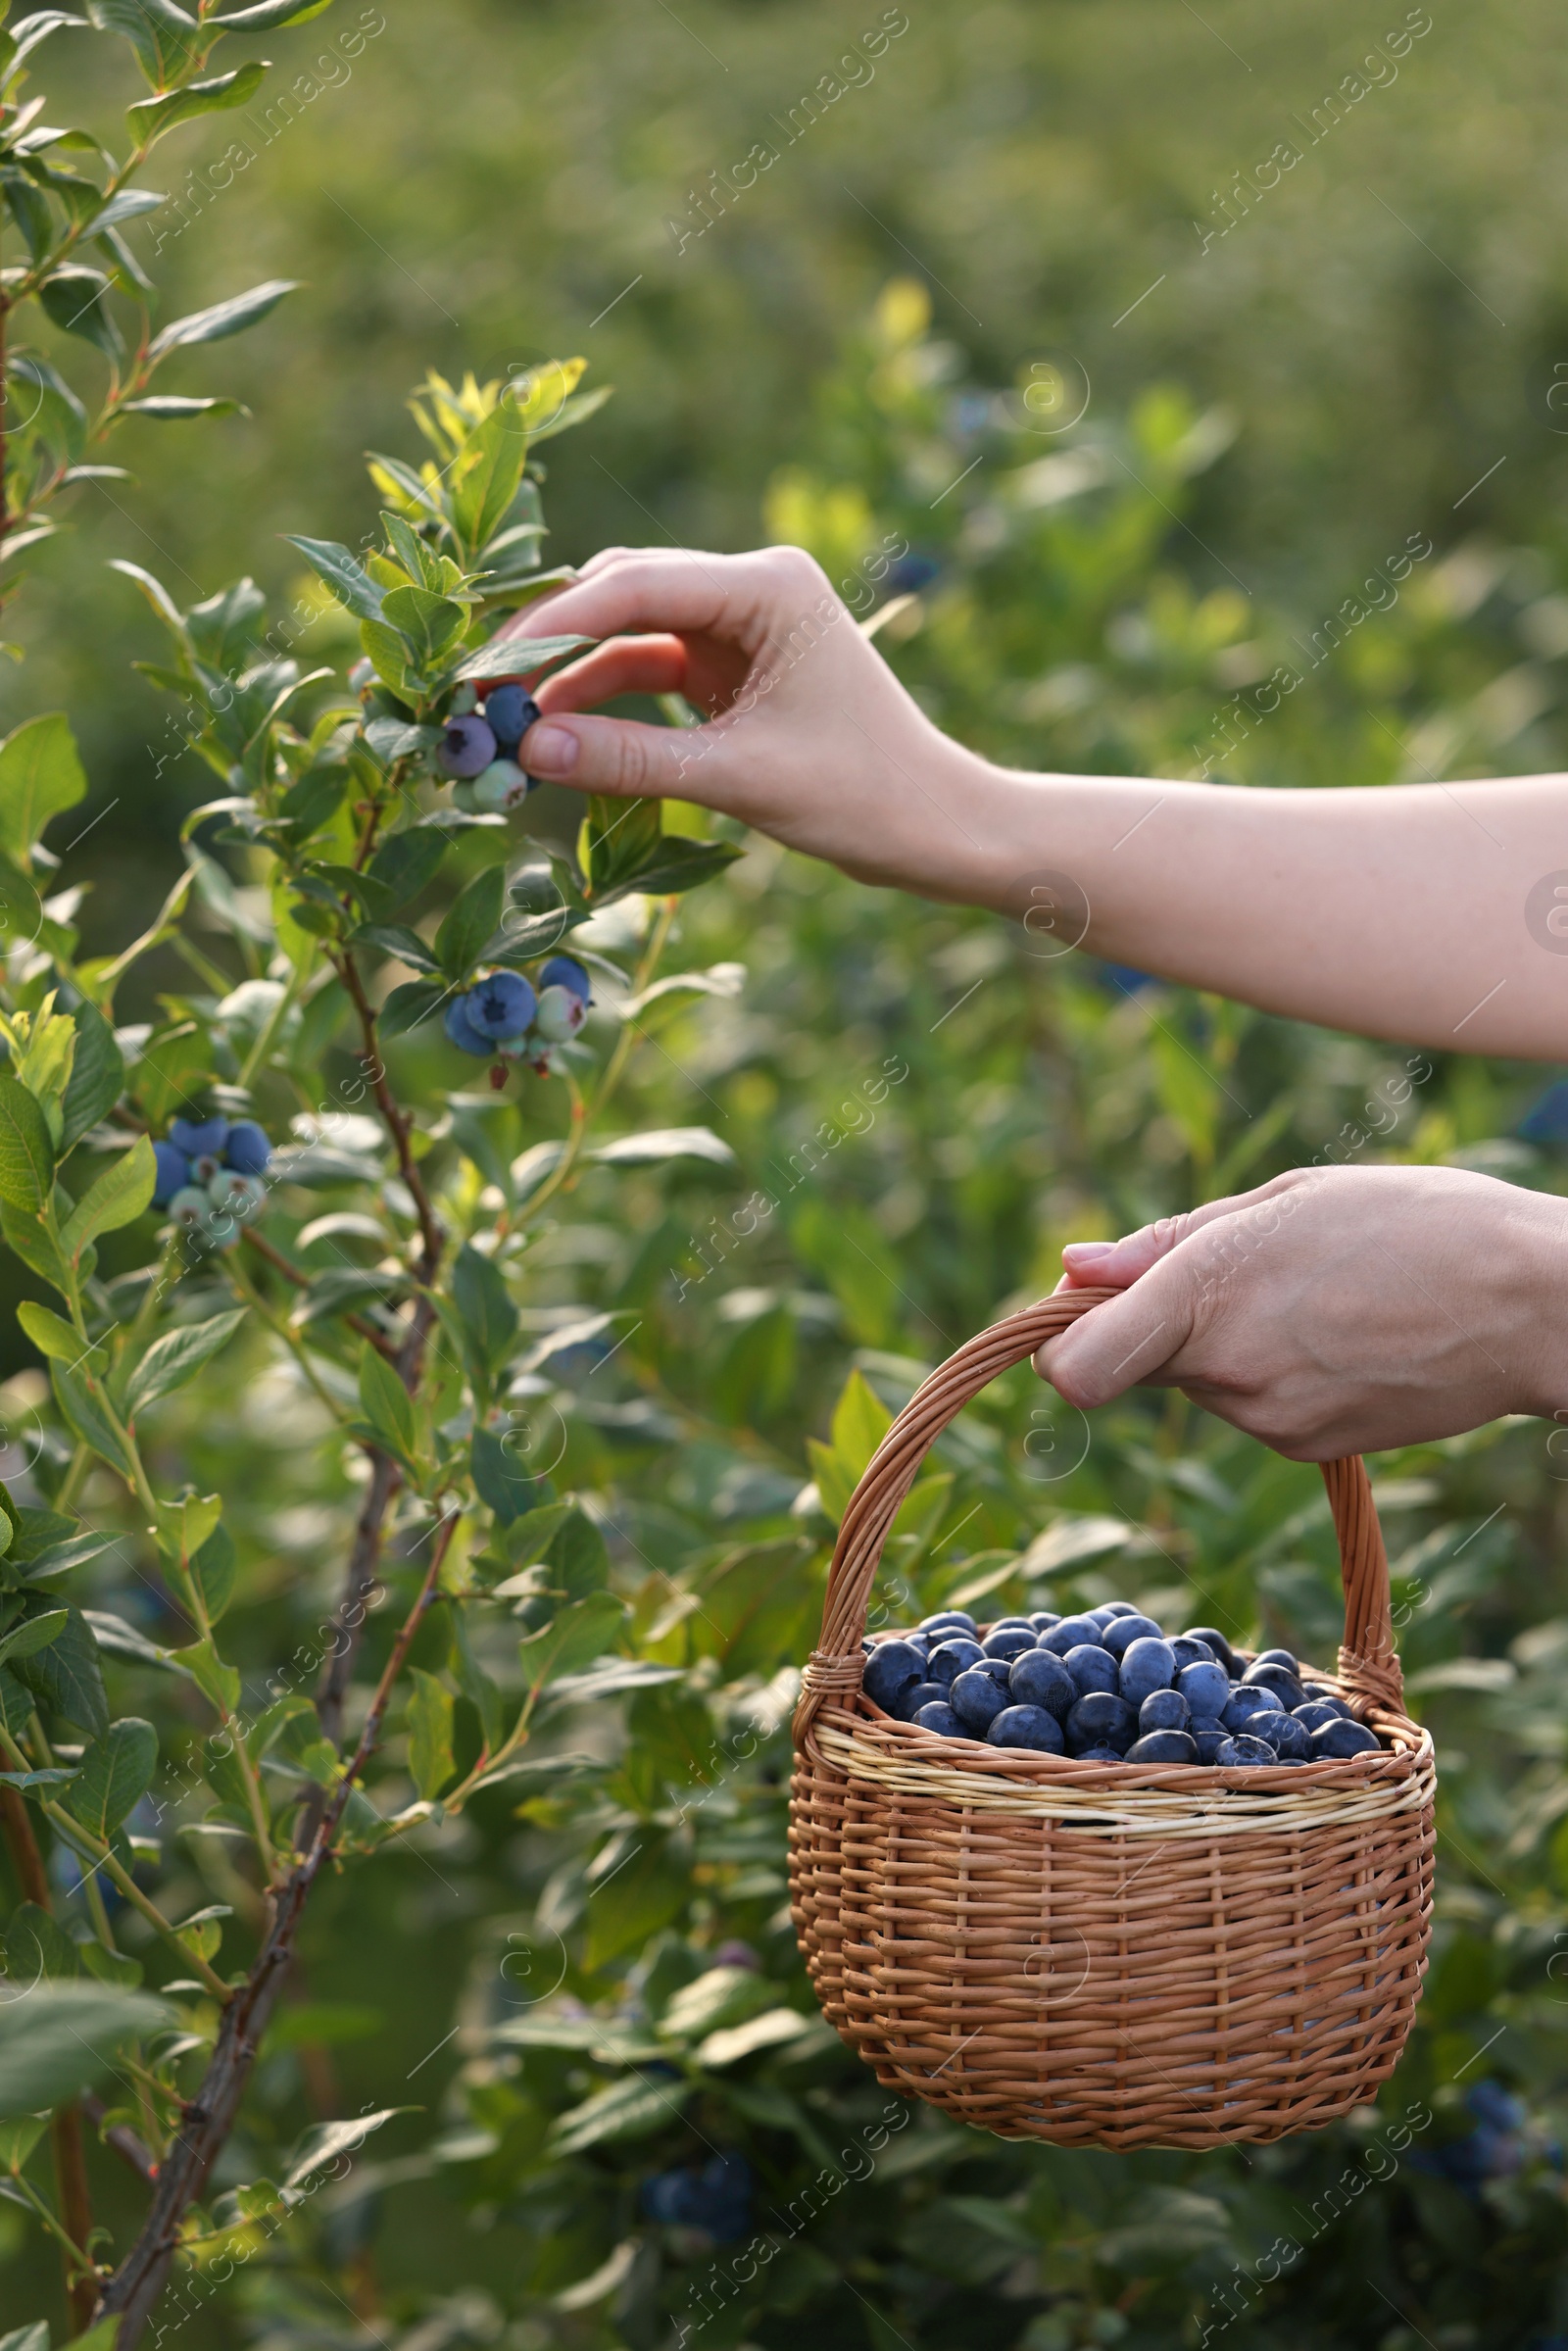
(1535, 1247)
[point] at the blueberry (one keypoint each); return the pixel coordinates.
(1026, 1727)
(562, 971)
(1218, 1644)
(908, 1702)
(1187, 1651)
(1102, 1718)
(1069, 1633)
(467, 747)
(1163, 1710)
(237, 1196)
(714, 2196)
(1012, 1624)
(1010, 1642)
(1243, 1749)
(197, 1138)
(502, 1006)
(1209, 1738)
(1318, 1711)
(940, 1718)
(1040, 1677)
(1339, 1739)
(1242, 1704)
(893, 1666)
(461, 1032)
(1103, 1615)
(508, 713)
(1203, 1685)
(499, 787)
(1285, 1685)
(946, 1619)
(174, 1173)
(1147, 1664)
(1092, 1668)
(1120, 1634)
(998, 1668)
(1291, 1740)
(950, 1657)
(1044, 1618)
(1317, 1693)
(1163, 1747)
(977, 1698)
(1110, 1608)
(192, 1209)
(248, 1148)
(1100, 1754)
(1278, 1658)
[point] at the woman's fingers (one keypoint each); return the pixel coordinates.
(723, 595)
(626, 666)
(616, 757)
(1129, 1339)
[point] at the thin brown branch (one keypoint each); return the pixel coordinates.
(397, 1125)
(301, 1280)
(126, 2143)
(134, 2288)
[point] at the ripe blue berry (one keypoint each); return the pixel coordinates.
(1026, 1727)
(893, 1666)
(467, 747)
(1012, 1624)
(1147, 1664)
(1339, 1740)
(1102, 1718)
(199, 1138)
(1122, 1631)
(1163, 1710)
(1203, 1685)
(1284, 1685)
(502, 1006)
(1291, 1740)
(919, 1693)
(1278, 1658)
(1010, 1642)
(1044, 1618)
(1187, 1651)
(1100, 1754)
(1040, 1677)
(1069, 1633)
(1163, 1747)
(1318, 1711)
(939, 1717)
(1092, 1668)
(248, 1148)
(977, 1698)
(508, 713)
(957, 1620)
(1242, 1704)
(461, 1032)
(1207, 1739)
(1219, 1645)
(950, 1657)
(174, 1173)
(1243, 1749)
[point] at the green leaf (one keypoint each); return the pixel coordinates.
(500, 1482)
(38, 1947)
(51, 1335)
(484, 1307)
(431, 623)
(676, 866)
(68, 1675)
(219, 1682)
(18, 2140)
(26, 1154)
(124, 1190)
(618, 837)
(97, 1075)
(344, 574)
(660, 1144)
(229, 318)
(75, 298)
(216, 1569)
(520, 656)
(430, 1723)
(393, 939)
(408, 862)
(630, 2109)
(495, 458)
(268, 15)
(34, 1245)
(411, 1006)
(40, 774)
(164, 37)
(396, 739)
(177, 1357)
(472, 924)
(62, 2040)
(177, 408)
(635, 1886)
(80, 1401)
(388, 1405)
(151, 117)
(34, 1634)
(116, 1773)
(573, 1638)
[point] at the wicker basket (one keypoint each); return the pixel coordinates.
(1105, 1955)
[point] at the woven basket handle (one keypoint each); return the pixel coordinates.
(1367, 1661)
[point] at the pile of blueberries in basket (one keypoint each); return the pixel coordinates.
(1109, 1687)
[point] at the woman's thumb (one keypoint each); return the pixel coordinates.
(616, 757)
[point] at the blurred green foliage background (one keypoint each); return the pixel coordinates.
(1367, 357)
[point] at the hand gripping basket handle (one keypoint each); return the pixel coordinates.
(1368, 1665)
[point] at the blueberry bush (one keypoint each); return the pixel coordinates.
(423, 1490)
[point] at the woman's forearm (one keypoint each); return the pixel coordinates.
(1422, 912)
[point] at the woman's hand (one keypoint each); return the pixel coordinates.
(1335, 1310)
(811, 737)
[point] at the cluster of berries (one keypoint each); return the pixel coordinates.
(503, 1015)
(479, 749)
(1109, 1687)
(210, 1175)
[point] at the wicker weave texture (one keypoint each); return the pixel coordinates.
(1108, 1954)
